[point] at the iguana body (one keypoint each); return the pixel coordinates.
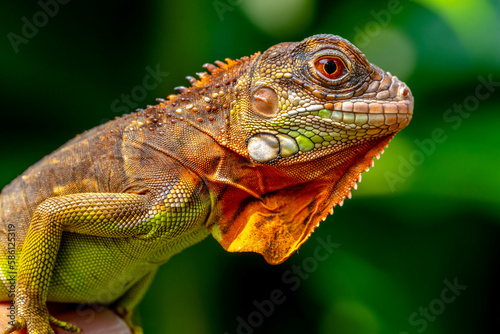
(228, 155)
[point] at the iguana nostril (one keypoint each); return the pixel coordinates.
(404, 92)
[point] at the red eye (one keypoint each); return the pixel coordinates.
(330, 67)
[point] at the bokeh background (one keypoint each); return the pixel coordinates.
(425, 217)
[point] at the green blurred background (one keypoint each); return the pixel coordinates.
(428, 213)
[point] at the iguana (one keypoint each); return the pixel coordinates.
(256, 153)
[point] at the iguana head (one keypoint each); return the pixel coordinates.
(301, 122)
(310, 117)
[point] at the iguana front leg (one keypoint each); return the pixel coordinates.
(102, 214)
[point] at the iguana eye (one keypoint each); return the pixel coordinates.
(330, 67)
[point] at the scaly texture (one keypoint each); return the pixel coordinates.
(91, 222)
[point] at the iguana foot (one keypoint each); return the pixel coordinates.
(67, 326)
(16, 325)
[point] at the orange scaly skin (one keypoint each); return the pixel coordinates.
(298, 123)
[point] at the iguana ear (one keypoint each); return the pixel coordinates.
(275, 225)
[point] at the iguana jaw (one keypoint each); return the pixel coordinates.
(275, 226)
